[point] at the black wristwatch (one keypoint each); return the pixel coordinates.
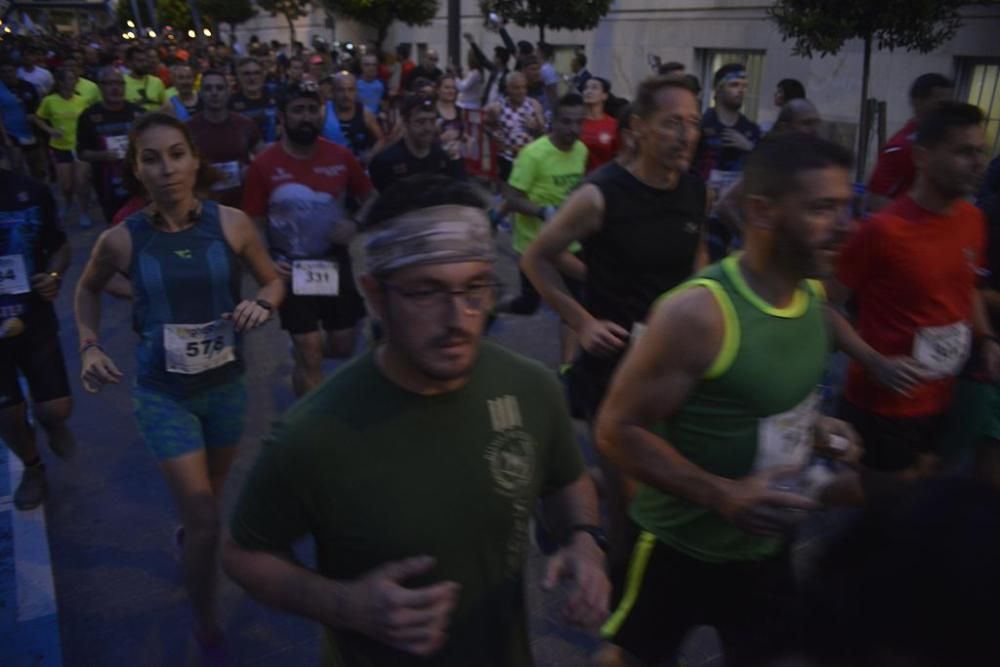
(594, 531)
(266, 305)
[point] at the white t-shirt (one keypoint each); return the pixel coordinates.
(39, 77)
(549, 74)
(470, 90)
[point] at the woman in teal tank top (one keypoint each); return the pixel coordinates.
(182, 258)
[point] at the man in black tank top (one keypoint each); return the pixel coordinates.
(641, 227)
(358, 124)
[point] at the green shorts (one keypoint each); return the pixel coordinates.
(211, 419)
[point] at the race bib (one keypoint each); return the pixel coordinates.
(117, 144)
(232, 175)
(315, 277)
(638, 331)
(720, 181)
(196, 348)
(787, 438)
(13, 275)
(943, 351)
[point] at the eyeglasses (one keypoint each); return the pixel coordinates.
(475, 296)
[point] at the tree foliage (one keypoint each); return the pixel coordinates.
(381, 14)
(290, 9)
(173, 13)
(823, 26)
(550, 14)
(232, 12)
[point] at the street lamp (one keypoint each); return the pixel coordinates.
(207, 32)
(124, 35)
(130, 23)
(152, 34)
(192, 34)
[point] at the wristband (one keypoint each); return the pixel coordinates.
(88, 343)
(266, 305)
(594, 531)
(995, 339)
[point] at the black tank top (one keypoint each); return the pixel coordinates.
(357, 132)
(646, 245)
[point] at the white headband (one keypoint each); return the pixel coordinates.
(434, 235)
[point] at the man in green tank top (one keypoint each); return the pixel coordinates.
(715, 412)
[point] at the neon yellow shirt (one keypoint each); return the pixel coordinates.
(546, 175)
(88, 90)
(62, 114)
(148, 92)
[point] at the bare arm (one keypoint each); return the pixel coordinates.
(518, 202)
(246, 242)
(652, 383)
(377, 605)
(579, 217)
(107, 259)
(901, 374)
(376, 131)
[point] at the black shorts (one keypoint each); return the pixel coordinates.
(752, 604)
(893, 443)
(504, 167)
(306, 314)
(39, 357)
(62, 157)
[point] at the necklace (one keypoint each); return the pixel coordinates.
(193, 218)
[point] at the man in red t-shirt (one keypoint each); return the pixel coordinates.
(300, 189)
(913, 269)
(894, 172)
(226, 139)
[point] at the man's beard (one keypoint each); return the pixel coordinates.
(303, 134)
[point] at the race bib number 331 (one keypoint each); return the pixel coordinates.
(315, 277)
(196, 348)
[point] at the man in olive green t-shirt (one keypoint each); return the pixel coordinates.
(416, 467)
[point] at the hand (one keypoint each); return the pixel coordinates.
(733, 139)
(836, 439)
(582, 563)
(98, 370)
(602, 338)
(534, 123)
(343, 231)
(111, 156)
(755, 507)
(46, 285)
(991, 358)
(55, 134)
(283, 268)
(900, 374)
(414, 620)
(248, 315)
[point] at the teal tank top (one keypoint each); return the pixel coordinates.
(182, 283)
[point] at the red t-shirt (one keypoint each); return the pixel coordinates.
(894, 172)
(601, 139)
(128, 208)
(911, 269)
(303, 200)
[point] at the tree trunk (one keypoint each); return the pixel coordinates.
(863, 125)
(383, 31)
(291, 28)
(541, 32)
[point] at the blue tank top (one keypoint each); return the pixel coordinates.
(186, 277)
(180, 109)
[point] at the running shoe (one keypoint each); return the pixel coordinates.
(33, 488)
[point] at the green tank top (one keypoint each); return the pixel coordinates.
(754, 409)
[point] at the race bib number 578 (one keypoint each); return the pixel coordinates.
(13, 275)
(196, 348)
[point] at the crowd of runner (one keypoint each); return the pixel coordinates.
(711, 279)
